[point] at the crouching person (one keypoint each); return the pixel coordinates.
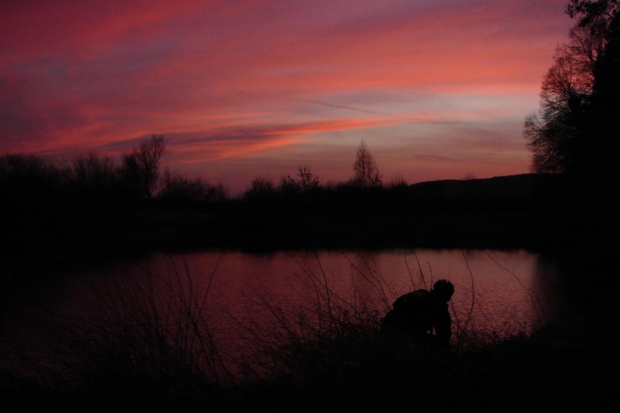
(423, 316)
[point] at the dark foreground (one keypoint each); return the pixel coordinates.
(568, 366)
(551, 371)
(532, 212)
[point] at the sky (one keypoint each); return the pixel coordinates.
(437, 89)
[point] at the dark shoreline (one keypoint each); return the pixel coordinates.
(537, 213)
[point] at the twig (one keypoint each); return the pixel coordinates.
(473, 296)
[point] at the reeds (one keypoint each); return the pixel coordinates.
(152, 337)
(148, 338)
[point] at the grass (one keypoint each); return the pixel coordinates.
(152, 346)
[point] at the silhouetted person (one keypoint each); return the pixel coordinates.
(423, 315)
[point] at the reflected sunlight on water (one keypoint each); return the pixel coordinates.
(495, 290)
(235, 293)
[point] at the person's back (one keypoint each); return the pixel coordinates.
(409, 314)
(420, 313)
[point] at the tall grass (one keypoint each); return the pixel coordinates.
(328, 327)
(147, 338)
(153, 338)
(322, 325)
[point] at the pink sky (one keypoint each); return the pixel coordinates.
(438, 89)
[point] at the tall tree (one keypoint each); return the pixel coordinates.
(141, 167)
(603, 125)
(565, 135)
(307, 179)
(366, 172)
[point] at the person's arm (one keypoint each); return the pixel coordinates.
(443, 326)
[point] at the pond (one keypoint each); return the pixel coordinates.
(240, 299)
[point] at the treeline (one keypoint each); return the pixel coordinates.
(94, 203)
(97, 185)
(84, 201)
(93, 183)
(34, 184)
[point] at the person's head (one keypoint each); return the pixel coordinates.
(443, 290)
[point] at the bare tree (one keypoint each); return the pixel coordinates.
(141, 166)
(92, 170)
(575, 131)
(554, 134)
(307, 179)
(261, 187)
(183, 190)
(366, 172)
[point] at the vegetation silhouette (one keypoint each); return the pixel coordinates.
(151, 345)
(91, 205)
(140, 169)
(365, 167)
(83, 204)
(576, 131)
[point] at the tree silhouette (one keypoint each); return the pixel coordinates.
(307, 179)
(555, 133)
(366, 172)
(141, 167)
(603, 125)
(566, 135)
(260, 188)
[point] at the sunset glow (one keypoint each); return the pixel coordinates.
(437, 89)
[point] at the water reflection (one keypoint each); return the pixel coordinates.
(237, 295)
(495, 290)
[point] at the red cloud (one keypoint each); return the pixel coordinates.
(80, 75)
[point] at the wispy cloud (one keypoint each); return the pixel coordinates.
(254, 77)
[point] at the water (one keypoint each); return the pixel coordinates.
(242, 298)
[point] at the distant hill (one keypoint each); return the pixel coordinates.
(523, 186)
(501, 194)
